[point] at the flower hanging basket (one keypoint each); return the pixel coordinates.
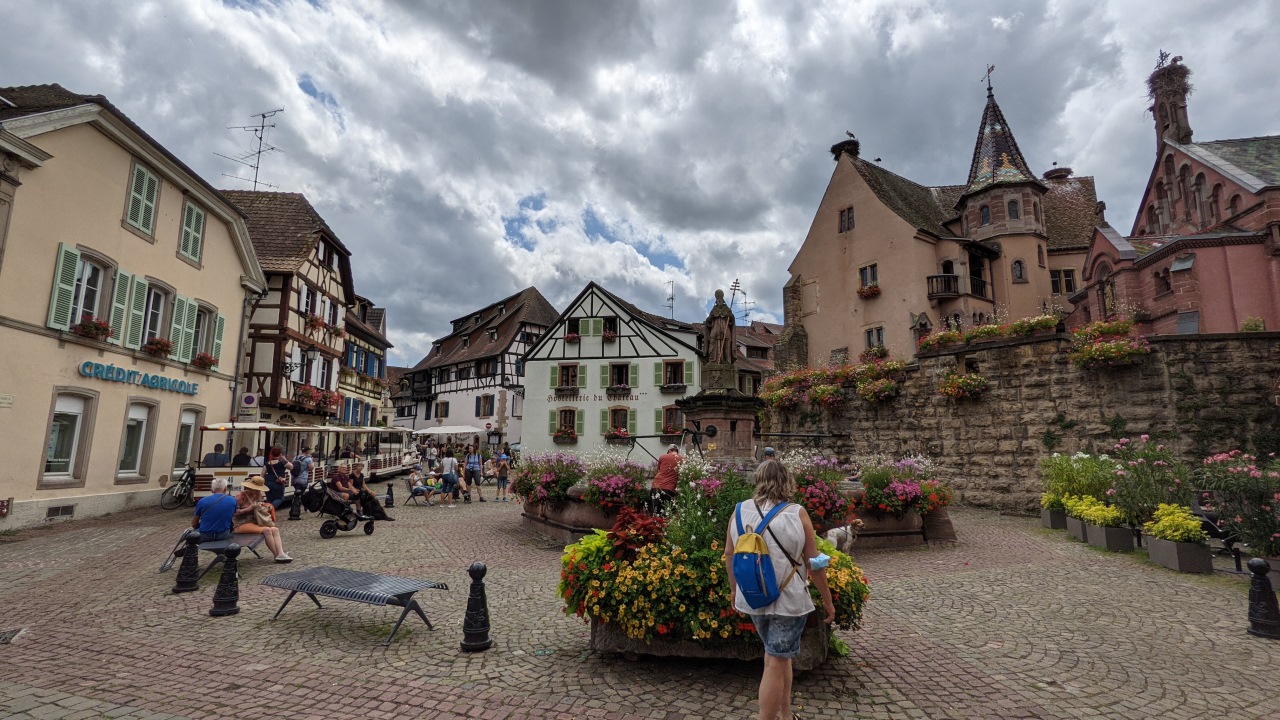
(158, 347)
(869, 291)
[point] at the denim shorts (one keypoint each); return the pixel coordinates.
(780, 633)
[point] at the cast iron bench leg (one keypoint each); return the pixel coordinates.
(396, 629)
(414, 606)
(219, 558)
(286, 602)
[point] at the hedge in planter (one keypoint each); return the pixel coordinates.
(1177, 541)
(1103, 528)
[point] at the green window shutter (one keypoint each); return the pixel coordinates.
(184, 244)
(657, 420)
(197, 236)
(582, 376)
(192, 232)
(218, 326)
(142, 199)
(604, 376)
(178, 328)
(688, 373)
(555, 376)
(599, 327)
(119, 306)
(657, 374)
(137, 313)
(64, 288)
(189, 332)
(631, 421)
(149, 205)
(604, 422)
(635, 375)
(551, 422)
(580, 421)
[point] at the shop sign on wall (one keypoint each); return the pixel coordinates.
(111, 373)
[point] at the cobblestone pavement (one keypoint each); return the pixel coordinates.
(1012, 622)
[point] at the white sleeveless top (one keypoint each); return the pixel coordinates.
(788, 529)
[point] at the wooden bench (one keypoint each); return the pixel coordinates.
(217, 547)
(362, 587)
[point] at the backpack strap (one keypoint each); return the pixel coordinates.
(737, 514)
(795, 566)
(767, 518)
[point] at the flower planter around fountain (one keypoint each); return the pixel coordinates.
(609, 638)
(569, 521)
(886, 530)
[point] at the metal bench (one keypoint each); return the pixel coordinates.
(362, 587)
(217, 547)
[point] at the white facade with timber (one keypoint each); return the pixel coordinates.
(309, 290)
(124, 278)
(606, 366)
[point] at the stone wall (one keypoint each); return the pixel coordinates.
(1200, 394)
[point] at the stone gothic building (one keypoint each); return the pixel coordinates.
(888, 260)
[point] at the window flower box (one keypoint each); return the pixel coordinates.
(92, 328)
(158, 347)
(564, 437)
(572, 337)
(308, 394)
(609, 336)
(618, 390)
(868, 292)
(205, 361)
(673, 388)
(618, 436)
(566, 391)
(329, 399)
(314, 323)
(873, 353)
(338, 332)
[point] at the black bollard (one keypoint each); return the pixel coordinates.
(227, 594)
(391, 496)
(1264, 611)
(295, 507)
(475, 626)
(189, 571)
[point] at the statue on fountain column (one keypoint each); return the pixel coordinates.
(718, 372)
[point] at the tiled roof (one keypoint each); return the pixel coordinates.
(372, 333)
(284, 227)
(525, 307)
(926, 208)
(1258, 156)
(1070, 212)
(395, 374)
(377, 318)
(996, 157)
(26, 100)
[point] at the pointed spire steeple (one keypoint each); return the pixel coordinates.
(996, 157)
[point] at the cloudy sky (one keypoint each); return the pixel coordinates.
(464, 150)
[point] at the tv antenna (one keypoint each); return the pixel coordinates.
(671, 299)
(260, 133)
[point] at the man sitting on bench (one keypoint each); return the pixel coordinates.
(213, 513)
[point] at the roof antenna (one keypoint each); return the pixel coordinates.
(259, 132)
(671, 299)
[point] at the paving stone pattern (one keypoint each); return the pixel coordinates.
(1011, 622)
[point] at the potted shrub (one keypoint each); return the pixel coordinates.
(1103, 528)
(205, 361)
(1075, 505)
(158, 347)
(92, 328)
(1053, 514)
(1176, 540)
(867, 292)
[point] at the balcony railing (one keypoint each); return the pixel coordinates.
(943, 286)
(978, 286)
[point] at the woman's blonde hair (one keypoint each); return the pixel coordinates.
(774, 483)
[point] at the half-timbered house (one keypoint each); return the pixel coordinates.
(475, 374)
(297, 331)
(606, 367)
(363, 378)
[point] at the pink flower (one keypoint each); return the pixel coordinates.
(1111, 491)
(1144, 438)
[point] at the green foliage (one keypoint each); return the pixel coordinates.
(1117, 425)
(1063, 422)
(1253, 324)
(1147, 475)
(1050, 440)
(1102, 515)
(1175, 523)
(1077, 475)
(1246, 497)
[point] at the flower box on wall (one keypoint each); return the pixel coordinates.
(616, 390)
(673, 388)
(1111, 539)
(1180, 556)
(1075, 528)
(1053, 519)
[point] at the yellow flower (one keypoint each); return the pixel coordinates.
(682, 607)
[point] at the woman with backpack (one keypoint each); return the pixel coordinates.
(771, 582)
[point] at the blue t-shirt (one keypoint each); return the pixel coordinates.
(215, 512)
(302, 470)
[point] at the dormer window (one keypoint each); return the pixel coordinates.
(475, 318)
(466, 342)
(502, 309)
(984, 215)
(493, 334)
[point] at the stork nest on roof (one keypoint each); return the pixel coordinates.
(1172, 79)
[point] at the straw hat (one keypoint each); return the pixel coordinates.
(255, 482)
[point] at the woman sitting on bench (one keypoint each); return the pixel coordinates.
(255, 515)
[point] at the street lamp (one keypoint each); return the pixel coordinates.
(309, 355)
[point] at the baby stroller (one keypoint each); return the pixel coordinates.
(317, 500)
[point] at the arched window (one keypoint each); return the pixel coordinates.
(1162, 205)
(1019, 271)
(1234, 206)
(1215, 204)
(1162, 282)
(957, 318)
(948, 267)
(1168, 167)
(1035, 211)
(1184, 178)
(1153, 220)
(1040, 254)
(984, 215)
(1202, 209)
(1013, 210)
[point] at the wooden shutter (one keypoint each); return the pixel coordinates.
(555, 376)
(119, 306)
(604, 376)
(597, 327)
(634, 375)
(218, 327)
(631, 421)
(604, 422)
(582, 376)
(657, 374)
(184, 244)
(197, 235)
(688, 373)
(477, 406)
(137, 313)
(178, 328)
(142, 199)
(551, 422)
(64, 288)
(580, 421)
(657, 420)
(189, 332)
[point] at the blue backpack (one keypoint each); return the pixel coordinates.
(752, 568)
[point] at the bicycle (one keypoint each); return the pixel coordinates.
(182, 492)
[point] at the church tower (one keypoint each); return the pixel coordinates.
(1168, 87)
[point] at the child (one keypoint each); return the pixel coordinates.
(503, 470)
(421, 489)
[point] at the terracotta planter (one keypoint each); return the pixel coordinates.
(1075, 528)
(1053, 519)
(1111, 539)
(1180, 556)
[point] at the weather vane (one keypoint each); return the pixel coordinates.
(990, 69)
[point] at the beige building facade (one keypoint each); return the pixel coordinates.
(124, 279)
